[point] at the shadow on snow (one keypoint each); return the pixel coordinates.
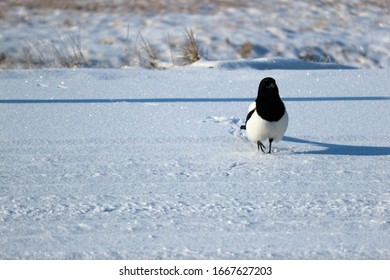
(182, 100)
(330, 149)
(337, 149)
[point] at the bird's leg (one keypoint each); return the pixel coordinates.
(260, 146)
(270, 144)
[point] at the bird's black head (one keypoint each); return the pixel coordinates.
(268, 87)
(269, 106)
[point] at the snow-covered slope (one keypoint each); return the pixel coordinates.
(350, 32)
(112, 164)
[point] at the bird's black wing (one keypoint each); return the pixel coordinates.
(247, 118)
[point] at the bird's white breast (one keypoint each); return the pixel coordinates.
(259, 130)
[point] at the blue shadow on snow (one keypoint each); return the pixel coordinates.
(182, 100)
(331, 149)
(337, 149)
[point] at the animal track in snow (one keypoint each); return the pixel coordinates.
(233, 123)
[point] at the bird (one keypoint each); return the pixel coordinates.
(267, 117)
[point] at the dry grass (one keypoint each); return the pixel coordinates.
(167, 6)
(245, 50)
(182, 53)
(157, 6)
(147, 54)
(64, 53)
(66, 50)
(190, 50)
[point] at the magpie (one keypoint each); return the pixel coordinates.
(267, 117)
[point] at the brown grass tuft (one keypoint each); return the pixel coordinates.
(64, 53)
(147, 54)
(189, 49)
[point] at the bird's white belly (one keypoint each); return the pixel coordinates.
(259, 130)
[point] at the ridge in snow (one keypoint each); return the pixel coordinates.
(270, 64)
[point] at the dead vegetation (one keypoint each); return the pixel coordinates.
(189, 49)
(183, 52)
(147, 54)
(156, 6)
(168, 6)
(66, 52)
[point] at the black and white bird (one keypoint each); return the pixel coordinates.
(267, 117)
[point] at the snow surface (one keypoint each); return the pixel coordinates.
(350, 32)
(142, 164)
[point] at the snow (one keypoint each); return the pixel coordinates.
(141, 164)
(353, 33)
(269, 64)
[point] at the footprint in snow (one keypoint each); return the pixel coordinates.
(233, 123)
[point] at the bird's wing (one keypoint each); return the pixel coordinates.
(249, 115)
(251, 110)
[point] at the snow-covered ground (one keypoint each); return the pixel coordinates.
(138, 164)
(350, 32)
(141, 164)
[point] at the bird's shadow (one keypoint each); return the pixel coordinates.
(338, 149)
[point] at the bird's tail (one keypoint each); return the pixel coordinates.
(243, 127)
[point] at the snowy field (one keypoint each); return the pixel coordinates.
(129, 163)
(349, 32)
(142, 164)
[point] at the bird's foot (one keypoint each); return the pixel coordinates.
(270, 145)
(260, 146)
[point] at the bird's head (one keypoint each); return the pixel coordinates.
(267, 83)
(269, 106)
(268, 89)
